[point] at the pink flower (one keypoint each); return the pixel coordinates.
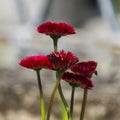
(85, 68)
(36, 62)
(62, 60)
(56, 28)
(77, 80)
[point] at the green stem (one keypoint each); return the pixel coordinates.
(42, 101)
(53, 94)
(64, 102)
(83, 104)
(72, 101)
(55, 42)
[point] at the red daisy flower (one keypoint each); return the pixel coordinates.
(56, 28)
(36, 62)
(62, 60)
(85, 68)
(77, 80)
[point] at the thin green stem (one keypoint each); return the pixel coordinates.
(42, 101)
(64, 102)
(83, 104)
(55, 42)
(72, 101)
(53, 95)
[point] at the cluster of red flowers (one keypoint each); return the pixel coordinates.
(56, 60)
(83, 72)
(61, 61)
(77, 80)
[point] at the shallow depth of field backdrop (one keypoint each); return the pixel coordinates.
(97, 38)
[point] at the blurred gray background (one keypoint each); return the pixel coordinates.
(97, 38)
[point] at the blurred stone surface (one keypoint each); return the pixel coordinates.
(19, 96)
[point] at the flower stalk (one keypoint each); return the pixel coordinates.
(83, 104)
(53, 94)
(67, 108)
(42, 102)
(55, 42)
(72, 102)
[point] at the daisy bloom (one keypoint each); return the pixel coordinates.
(36, 62)
(55, 28)
(85, 68)
(77, 80)
(62, 60)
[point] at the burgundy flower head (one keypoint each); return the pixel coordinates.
(77, 80)
(56, 28)
(85, 68)
(36, 62)
(62, 60)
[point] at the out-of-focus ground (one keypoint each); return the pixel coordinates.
(19, 96)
